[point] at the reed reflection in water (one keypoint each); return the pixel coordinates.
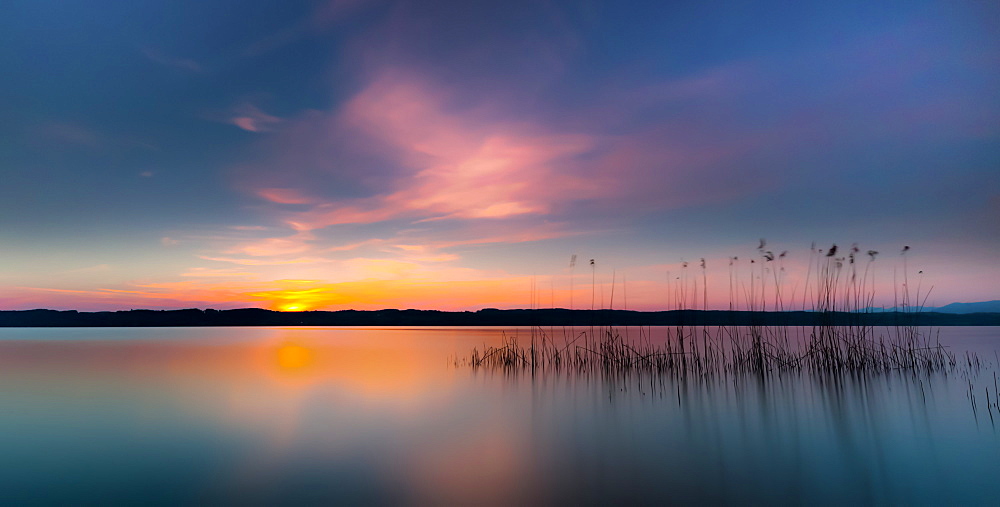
(380, 416)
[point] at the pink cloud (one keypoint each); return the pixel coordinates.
(264, 262)
(461, 173)
(284, 196)
(353, 246)
(497, 233)
(455, 164)
(200, 272)
(250, 118)
(271, 247)
(451, 175)
(465, 175)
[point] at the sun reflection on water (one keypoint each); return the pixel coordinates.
(383, 416)
(294, 357)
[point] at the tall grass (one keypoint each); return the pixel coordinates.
(748, 349)
(833, 283)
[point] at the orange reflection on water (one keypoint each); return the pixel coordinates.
(381, 395)
(220, 364)
(473, 459)
(387, 367)
(294, 357)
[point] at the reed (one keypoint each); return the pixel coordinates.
(833, 284)
(731, 349)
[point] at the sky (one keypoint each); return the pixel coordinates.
(336, 154)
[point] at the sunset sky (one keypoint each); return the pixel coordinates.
(454, 155)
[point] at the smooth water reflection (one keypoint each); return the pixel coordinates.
(293, 415)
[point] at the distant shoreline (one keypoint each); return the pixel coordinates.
(486, 317)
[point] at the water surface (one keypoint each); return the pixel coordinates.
(391, 416)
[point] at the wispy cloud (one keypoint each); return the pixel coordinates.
(466, 175)
(384, 284)
(452, 164)
(185, 64)
(266, 262)
(200, 272)
(99, 268)
(404, 145)
(284, 196)
(66, 133)
(325, 15)
(84, 136)
(421, 175)
(250, 118)
(271, 247)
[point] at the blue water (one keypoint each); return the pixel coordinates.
(386, 416)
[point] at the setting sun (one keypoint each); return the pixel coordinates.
(298, 296)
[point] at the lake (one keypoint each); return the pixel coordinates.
(396, 416)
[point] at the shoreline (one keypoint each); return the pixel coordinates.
(486, 317)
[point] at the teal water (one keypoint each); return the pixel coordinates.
(387, 416)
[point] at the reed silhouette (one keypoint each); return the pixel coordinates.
(833, 288)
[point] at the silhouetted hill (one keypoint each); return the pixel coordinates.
(979, 307)
(486, 317)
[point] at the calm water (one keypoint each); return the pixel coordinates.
(384, 416)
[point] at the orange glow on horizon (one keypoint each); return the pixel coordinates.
(379, 283)
(298, 300)
(379, 294)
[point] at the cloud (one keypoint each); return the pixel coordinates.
(455, 175)
(272, 247)
(250, 118)
(284, 196)
(452, 164)
(99, 268)
(380, 283)
(354, 246)
(201, 272)
(429, 160)
(65, 133)
(265, 262)
(324, 16)
(185, 64)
